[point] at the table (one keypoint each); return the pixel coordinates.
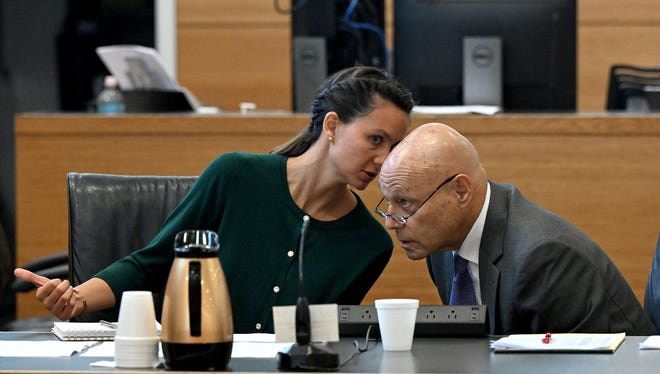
(428, 355)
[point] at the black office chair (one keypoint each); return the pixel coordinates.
(111, 216)
(634, 89)
(6, 268)
(652, 294)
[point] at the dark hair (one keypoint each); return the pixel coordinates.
(350, 93)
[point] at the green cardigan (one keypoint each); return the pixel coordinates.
(245, 198)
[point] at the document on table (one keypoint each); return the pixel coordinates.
(652, 342)
(49, 348)
(83, 331)
(533, 343)
(244, 345)
(256, 345)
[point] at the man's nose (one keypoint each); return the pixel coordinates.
(392, 224)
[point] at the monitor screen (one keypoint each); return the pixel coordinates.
(537, 39)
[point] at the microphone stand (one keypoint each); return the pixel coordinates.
(304, 355)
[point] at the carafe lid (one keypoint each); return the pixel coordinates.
(196, 243)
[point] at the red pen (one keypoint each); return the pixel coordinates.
(546, 340)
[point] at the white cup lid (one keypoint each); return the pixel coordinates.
(396, 303)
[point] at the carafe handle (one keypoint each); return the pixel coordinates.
(195, 297)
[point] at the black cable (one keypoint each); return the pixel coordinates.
(367, 26)
(358, 349)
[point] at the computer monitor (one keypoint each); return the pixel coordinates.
(538, 50)
(329, 35)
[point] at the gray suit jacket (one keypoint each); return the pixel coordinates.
(539, 273)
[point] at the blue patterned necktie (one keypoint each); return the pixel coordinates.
(462, 290)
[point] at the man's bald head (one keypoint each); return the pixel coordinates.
(434, 146)
(433, 155)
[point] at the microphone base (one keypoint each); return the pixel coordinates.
(307, 357)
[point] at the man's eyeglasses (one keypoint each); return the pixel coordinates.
(404, 219)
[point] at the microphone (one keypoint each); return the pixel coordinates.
(304, 355)
(303, 318)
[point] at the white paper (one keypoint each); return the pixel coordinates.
(324, 323)
(244, 345)
(107, 349)
(256, 345)
(49, 348)
(83, 331)
(487, 110)
(102, 364)
(137, 67)
(652, 342)
(576, 342)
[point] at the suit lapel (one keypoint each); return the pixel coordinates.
(490, 250)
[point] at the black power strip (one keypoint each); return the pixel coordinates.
(432, 320)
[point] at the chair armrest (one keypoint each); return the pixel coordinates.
(51, 266)
(47, 261)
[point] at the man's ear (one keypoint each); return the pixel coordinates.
(330, 124)
(463, 189)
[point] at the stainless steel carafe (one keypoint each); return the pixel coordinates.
(197, 325)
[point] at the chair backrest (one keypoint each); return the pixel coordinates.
(634, 89)
(111, 216)
(652, 294)
(6, 267)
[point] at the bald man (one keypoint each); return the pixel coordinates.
(534, 270)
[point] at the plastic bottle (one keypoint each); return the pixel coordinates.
(110, 100)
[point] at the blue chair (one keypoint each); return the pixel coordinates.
(652, 295)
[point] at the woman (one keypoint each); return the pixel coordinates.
(256, 204)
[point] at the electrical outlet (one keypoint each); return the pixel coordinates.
(428, 313)
(358, 313)
(368, 315)
(454, 320)
(449, 313)
(432, 320)
(354, 320)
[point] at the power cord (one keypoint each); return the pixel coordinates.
(358, 349)
(370, 27)
(310, 366)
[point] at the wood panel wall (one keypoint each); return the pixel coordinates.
(599, 171)
(613, 32)
(240, 50)
(234, 51)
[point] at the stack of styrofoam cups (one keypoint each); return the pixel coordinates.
(396, 321)
(136, 340)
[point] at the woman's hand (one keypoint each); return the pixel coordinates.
(56, 295)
